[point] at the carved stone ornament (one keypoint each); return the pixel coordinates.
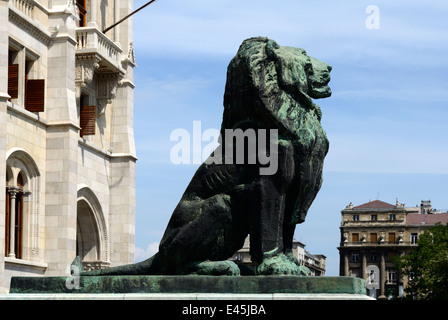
(131, 55)
(107, 85)
(84, 72)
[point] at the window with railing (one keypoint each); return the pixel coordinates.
(414, 238)
(391, 277)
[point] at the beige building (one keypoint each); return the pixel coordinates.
(316, 263)
(67, 154)
(372, 234)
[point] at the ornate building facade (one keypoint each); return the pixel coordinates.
(67, 153)
(373, 233)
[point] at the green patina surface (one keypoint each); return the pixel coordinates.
(189, 284)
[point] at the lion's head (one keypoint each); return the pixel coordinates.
(276, 78)
(299, 72)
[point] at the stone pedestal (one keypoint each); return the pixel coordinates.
(189, 287)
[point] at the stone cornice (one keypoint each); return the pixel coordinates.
(25, 23)
(109, 154)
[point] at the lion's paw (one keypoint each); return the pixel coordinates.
(280, 265)
(217, 268)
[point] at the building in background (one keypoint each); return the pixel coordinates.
(67, 154)
(316, 263)
(372, 234)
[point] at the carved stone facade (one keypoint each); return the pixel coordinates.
(372, 234)
(67, 153)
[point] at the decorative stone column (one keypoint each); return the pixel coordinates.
(382, 276)
(363, 266)
(12, 221)
(93, 6)
(346, 264)
(116, 19)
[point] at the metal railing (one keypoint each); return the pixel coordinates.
(378, 243)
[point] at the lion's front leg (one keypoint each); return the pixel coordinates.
(266, 221)
(268, 218)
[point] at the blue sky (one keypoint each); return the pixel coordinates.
(386, 119)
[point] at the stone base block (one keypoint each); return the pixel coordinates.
(185, 296)
(190, 287)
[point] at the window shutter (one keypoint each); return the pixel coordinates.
(35, 95)
(87, 120)
(391, 237)
(13, 81)
(81, 4)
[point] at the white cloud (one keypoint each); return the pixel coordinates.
(143, 254)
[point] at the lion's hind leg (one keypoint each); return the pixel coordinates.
(201, 244)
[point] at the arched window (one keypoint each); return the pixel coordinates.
(14, 222)
(22, 205)
(91, 234)
(87, 235)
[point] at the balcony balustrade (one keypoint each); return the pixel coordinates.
(378, 243)
(90, 40)
(26, 6)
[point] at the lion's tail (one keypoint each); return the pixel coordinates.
(146, 267)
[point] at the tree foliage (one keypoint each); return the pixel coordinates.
(426, 265)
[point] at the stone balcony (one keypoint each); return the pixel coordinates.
(377, 244)
(93, 44)
(98, 65)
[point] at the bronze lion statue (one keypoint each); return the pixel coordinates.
(269, 91)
